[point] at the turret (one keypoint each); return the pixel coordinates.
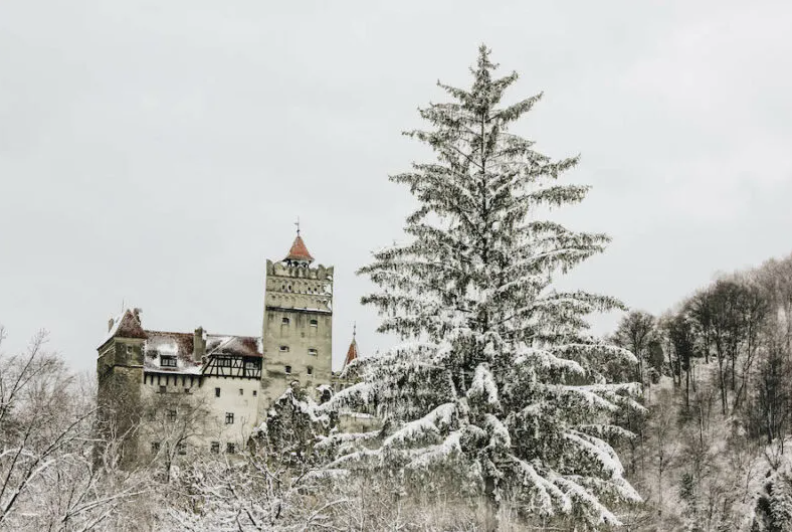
(352, 352)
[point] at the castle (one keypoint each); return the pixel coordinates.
(178, 393)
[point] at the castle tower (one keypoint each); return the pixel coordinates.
(297, 333)
(120, 373)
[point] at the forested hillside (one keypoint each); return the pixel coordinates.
(711, 450)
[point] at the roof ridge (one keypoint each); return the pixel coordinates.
(167, 332)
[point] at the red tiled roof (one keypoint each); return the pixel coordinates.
(298, 251)
(352, 354)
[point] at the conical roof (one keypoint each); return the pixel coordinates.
(352, 353)
(298, 251)
(127, 325)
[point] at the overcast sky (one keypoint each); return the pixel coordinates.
(157, 153)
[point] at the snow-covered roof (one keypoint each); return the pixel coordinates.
(233, 345)
(159, 346)
(180, 345)
(126, 325)
(170, 344)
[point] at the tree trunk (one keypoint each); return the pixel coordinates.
(491, 506)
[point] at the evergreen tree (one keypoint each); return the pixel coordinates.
(498, 384)
(292, 430)
(773, 511)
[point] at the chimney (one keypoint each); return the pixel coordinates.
(136, 313)
(110, 324)
(199, 345)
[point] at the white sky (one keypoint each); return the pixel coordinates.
(158, 152)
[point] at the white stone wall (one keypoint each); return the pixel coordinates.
(200, 413)
(236, 397)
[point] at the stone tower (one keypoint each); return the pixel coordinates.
(297, 334)
(120, 373)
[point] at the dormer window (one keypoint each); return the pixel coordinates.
(167, 361)
(313, 352)
(284, 349)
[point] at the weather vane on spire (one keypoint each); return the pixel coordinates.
(354, 329)
(297, 223)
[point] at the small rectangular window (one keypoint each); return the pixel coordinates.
(314, 323)
(155, 446)
(241, 391)
(288, 369)
(171, 415)
(163, 389)
(309, 369)
(130, 350)
(255, 393)
(181, 448)
(285, 321)
(231, 448)
(168, 361)
(229, 419)
(284, 349)
(313, 352)
(215, 447)
(217, 392)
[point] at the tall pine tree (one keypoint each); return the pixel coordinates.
(497, 384)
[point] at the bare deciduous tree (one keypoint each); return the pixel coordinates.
(48, 478)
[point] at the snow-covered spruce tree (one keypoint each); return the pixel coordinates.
(497, 382)
(289, 435)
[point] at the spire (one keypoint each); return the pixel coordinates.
(352, 353)
(298, 251)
